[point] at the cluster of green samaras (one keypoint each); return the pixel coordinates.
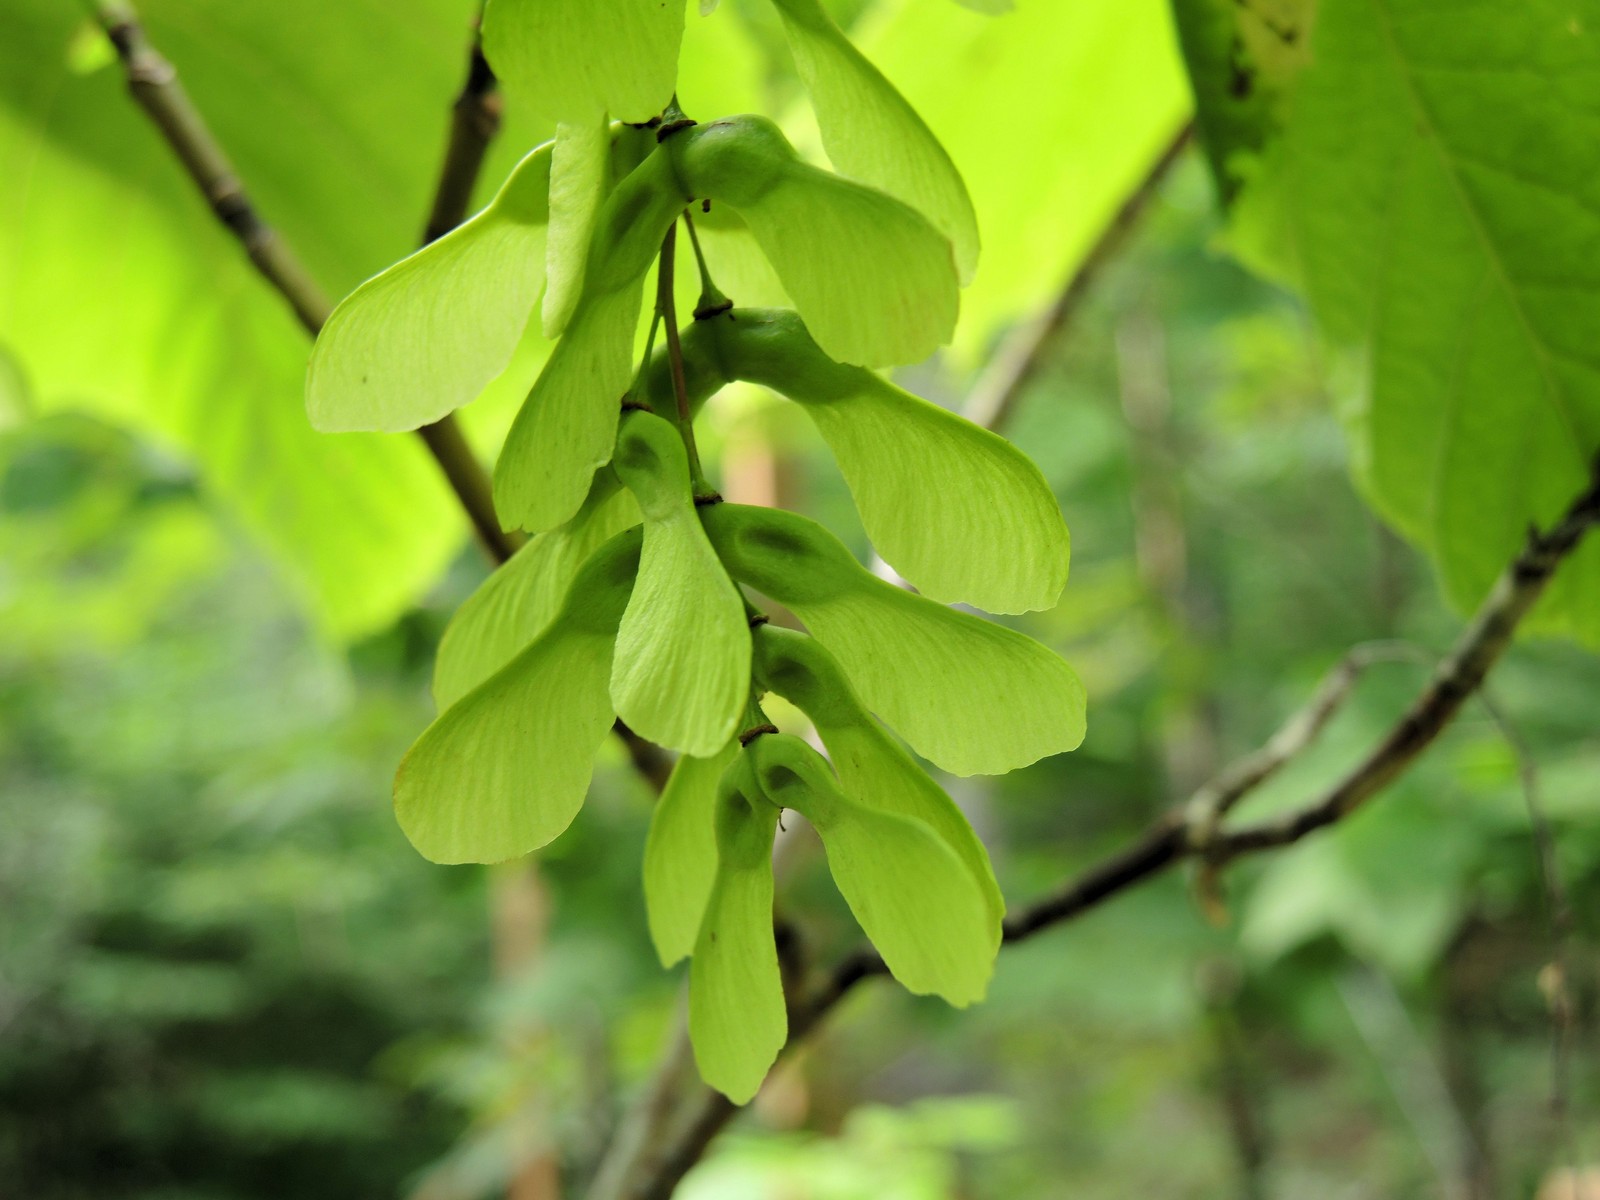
(628, 601)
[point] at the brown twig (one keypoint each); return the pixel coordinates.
(667, 312)
(1214, 800)
(474, 121)
(993, 399)
(1455, 680)
(154, 84)
(1169, 840)
(467, 479)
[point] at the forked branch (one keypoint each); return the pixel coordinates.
(1189, 830)
(154, 83)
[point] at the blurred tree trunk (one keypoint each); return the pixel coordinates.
(1189, 728)
(1461, 1056)
(520, 919)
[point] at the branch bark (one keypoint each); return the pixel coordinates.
(474, 121)
(154, 84)
(659, 1166)
(1461, 674)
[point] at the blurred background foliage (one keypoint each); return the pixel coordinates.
(224, 973)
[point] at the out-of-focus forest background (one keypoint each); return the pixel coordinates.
(225, 975)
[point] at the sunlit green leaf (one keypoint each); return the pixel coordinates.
(872, 134)
(1434, 190)
(875, 282)
(121, 294)
(736, 1012)
(873, 768)
(970, 695)
(682, 669)
(723, 67)
(575, 59)
(1048, 166)
(957, 510)
(912, 894)
(680, 855)
(514, 604)
(505, 769)
(399, 352)
(579, 179)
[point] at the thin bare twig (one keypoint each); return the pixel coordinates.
(1456, 679)
(704, 1113)
(1214, 800)
(154, 84)
(474, 121)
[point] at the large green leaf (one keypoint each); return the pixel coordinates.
(682, 669)
(577, 59)
(516, 602)
(1053, 112)
(680, 854)
(120, 294)
(737, 1020)
(873, 279)
(427, 335)
(970, 695)
(505, 769)
(1242, 61)
(873, 768)
(957, 510)
(913, 895)
(1434, 188)
(872, 134)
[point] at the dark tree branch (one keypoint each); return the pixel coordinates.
(1216, 799)
(652, 763)
(474, 121)
(659, 1166)
(470, 483)
(155, 85)
(1454, 681)
(994, 396)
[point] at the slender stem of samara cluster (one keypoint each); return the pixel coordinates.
(667, 309)
(712, 300)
